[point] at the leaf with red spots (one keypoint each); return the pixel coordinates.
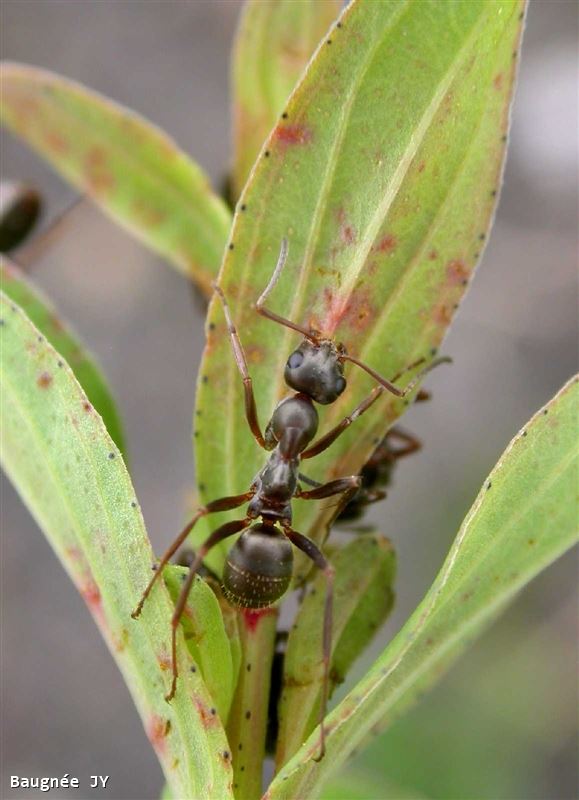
(274, 42)
(72, 478)
(41, 312)
(523, 519)
(130, 168)
(385, 197)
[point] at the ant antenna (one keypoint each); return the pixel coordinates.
(265, 312)
(388, 385)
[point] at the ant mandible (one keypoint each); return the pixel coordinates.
(258, 568)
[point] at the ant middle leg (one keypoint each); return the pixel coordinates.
(410, 443)
(223, 532)
(222, 504)
(315, 554)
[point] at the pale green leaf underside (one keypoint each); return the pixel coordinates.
(41, 312)
(129, 167)
(522, 520)
(72, 478)
(383, 177)
(274, 42)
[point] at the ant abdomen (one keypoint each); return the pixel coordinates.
(258, 568)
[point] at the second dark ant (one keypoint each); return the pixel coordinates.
(376, 473)
(258, 568)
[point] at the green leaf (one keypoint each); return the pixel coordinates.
(363, 599)
(385, 197)
(274, 42)
(72, 478)
(522, 520)
(206, 638)
(41, 312)
(130, 168)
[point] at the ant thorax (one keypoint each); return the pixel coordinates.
(274, 486)
(292, 426)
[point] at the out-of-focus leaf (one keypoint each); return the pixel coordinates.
(274, 42)
(363, 599)
(204, 632)
(72, 478)
(356, 784)
(41, 312)
(383, 178)
(130, 168)
(522, 520)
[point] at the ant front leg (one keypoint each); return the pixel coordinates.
(312, 551)
(323, 443)
(241, 361)
(223, 532)
(345, 486)
(330, 437)
(223, 504)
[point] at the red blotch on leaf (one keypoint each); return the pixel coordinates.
(97, 174)
(92, 595)
(498, 81)
(207, 718)
(44, 380)
(56, 143)
(164, 661)
(156, 728)
(442, 316)
(387, 244)
(354, 311)
(347, 230)
(456, 272)
(253, 616)
(293, 134)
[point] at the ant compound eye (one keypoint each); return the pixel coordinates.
(295, 359)
(340, 385)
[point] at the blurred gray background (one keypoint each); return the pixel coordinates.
(502, 724)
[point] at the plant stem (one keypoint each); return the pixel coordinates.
(247, 724)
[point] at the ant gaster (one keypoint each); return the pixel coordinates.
(258, 568)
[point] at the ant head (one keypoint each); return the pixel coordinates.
(315, 369)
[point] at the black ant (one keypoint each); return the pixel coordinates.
(258, 568)
(376, 473)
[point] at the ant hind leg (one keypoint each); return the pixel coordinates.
(223, 532)
(315, 554)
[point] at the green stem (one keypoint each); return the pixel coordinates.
(247, 724)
